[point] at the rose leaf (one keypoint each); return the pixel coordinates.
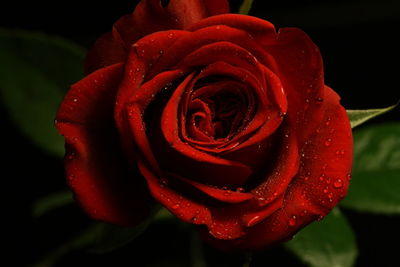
(245, 7)
(112, 237)
(358, 117)
(51, 202)
(376, 170)
(330, 242)
(35, 72)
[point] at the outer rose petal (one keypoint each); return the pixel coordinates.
(149, 17)
(321, 183)
(300, 69)
(100, 177)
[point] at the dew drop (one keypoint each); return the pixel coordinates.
(163, 183)
(340, 152)
(328, 122)
(161, 52)
(320, 100)
(292, 221)
(227, 193)
(324, 167)
(170, 35)
(71, 156)
(330, 195)
(328, 142)
(75, 100)
(322, 177)
(176, 206)
(253, 221)
(326, 190)
(349, 176)
(240, 190)
(338, 184)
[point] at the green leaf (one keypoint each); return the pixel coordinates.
(51, 202)
(358, 117)
(111, 237)
(100, 238)
(328, 243)
(376, 170)
(245, 7)
(80, 241)
(35, 72)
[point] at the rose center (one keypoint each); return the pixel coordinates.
(217, 111)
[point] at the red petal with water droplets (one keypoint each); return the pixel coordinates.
(106, 186)
(300, 69)
(306, 199)
(149, 17)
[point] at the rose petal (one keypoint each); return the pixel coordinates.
(322, 168)
(327, 156)
(133, 87)
(149, 17)
(107, 187)
(223, 195)
(301, 71)
(193, 41)
(203, 166)
(259, 29)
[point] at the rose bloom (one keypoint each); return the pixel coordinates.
(218, 117)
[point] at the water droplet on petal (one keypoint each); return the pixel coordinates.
(71, 156)
(75, 100)
(176, 206)
(227, 193)
(240, 190)
(328, 122)
(253, 221)
(328, 142)
(163, 182)
(322, 177)
(340, 152)
(170, 35)
(292, 221)
(338, 184)
(349, 176)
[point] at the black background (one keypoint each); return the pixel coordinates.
(360, 46)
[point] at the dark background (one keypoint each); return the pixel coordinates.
(360, 46)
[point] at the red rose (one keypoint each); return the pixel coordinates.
(222, 120)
